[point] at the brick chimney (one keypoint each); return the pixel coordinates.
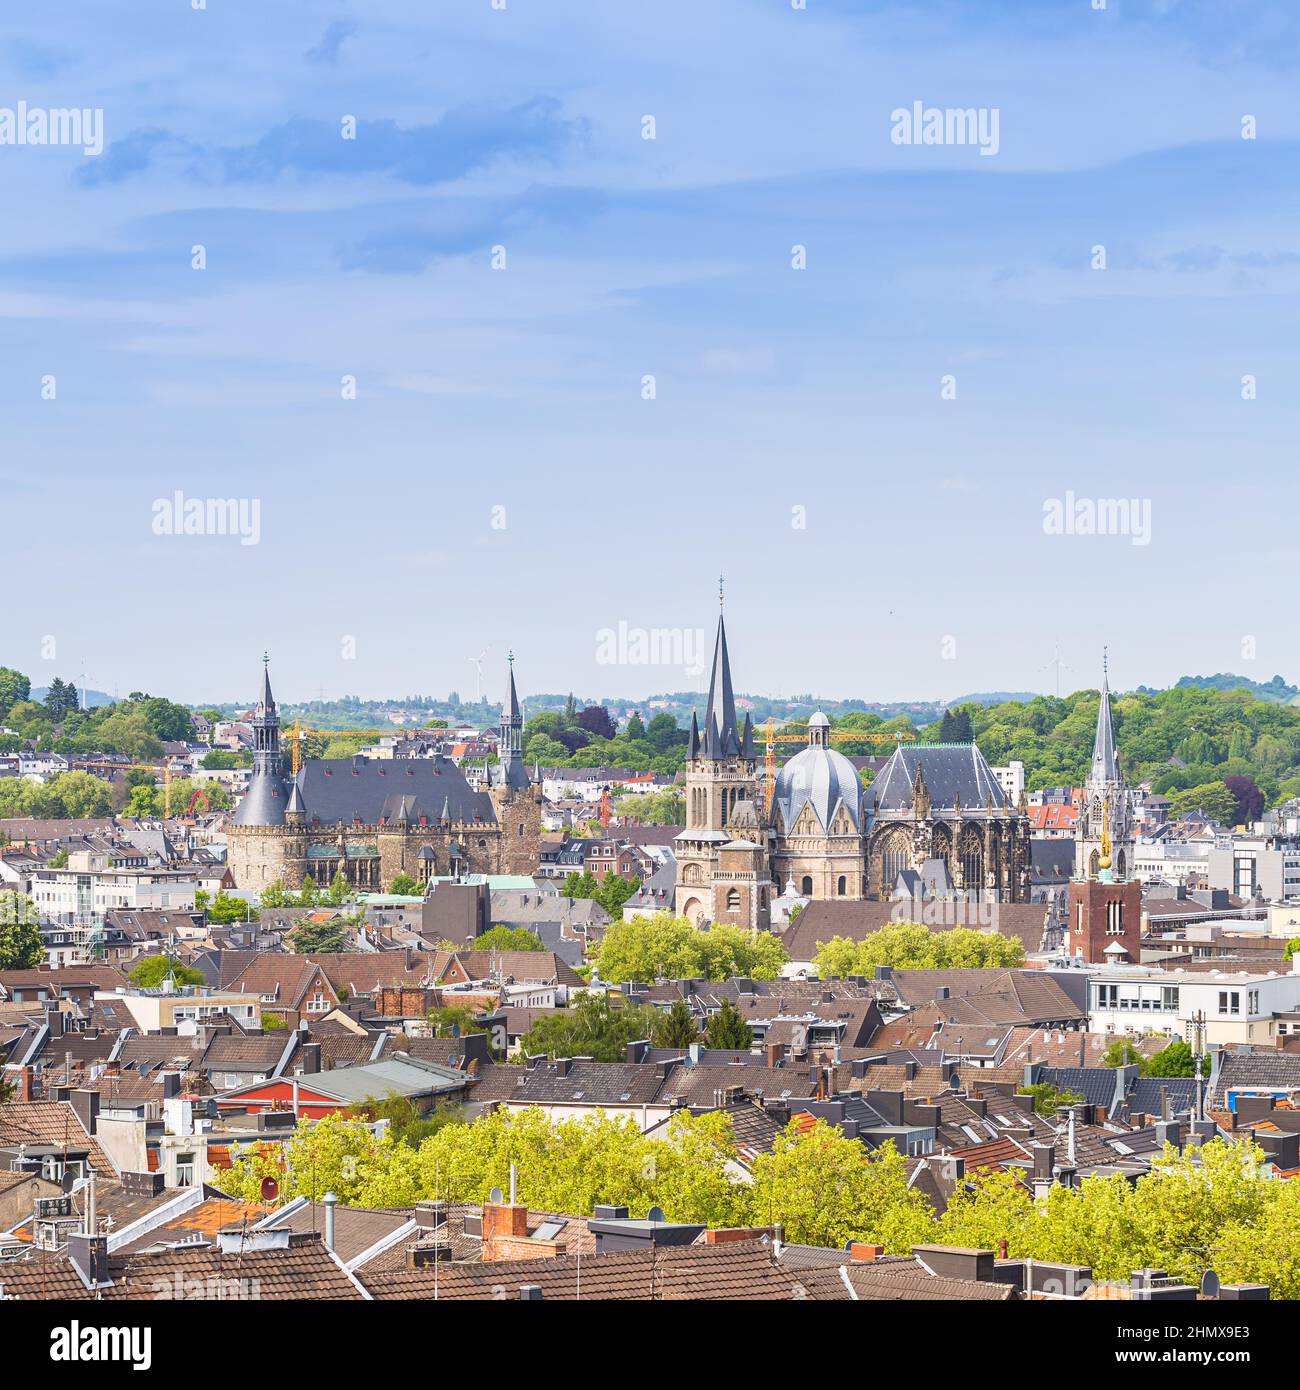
(504, 1224)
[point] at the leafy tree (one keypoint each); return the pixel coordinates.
(1121, 1054)
(1048, 1098)
(955, 727)
(592, 1027)
(1212, 798)
(15, 688)
(912, 946)
(70, 796)
(658, 945)
(827, 1190)
(152, 972)
(58, 860)
(1292, 947)
(20, 936)
(501, 938)
(404, 886)
(635, 728)
(666, 807)
(1175, 1060)
(677, 1027)
(596, 721)
(1247, 796)
(407, 1124)
(319, 938)
(727, 1030)
(453, 1020)
(224, 909)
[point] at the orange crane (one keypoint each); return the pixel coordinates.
(772, 738)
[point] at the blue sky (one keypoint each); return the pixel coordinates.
(922, 568)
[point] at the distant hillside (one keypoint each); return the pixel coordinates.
(1276, 690)
(997, 697)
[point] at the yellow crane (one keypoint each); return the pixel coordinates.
(142, 767)
(772, 738)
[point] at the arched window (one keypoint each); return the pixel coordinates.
(806, 887)
(842, 886)
(733, 899)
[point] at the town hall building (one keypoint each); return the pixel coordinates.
(371, 819)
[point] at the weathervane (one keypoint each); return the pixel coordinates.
(719, 593)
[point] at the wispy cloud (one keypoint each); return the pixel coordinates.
(326, 51)
(465, 139)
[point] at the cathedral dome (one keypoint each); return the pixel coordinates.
(821, 775)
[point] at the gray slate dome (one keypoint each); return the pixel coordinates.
(824, 777)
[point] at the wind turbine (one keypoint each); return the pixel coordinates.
(1058, 665)
(477, 663)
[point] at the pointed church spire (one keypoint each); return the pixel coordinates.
(268, 700)
(693, 743)
(720, 740)
(512, 704)
(747, 738)
(1105, 766)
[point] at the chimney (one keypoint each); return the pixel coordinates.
(310, 1058)
(774, 1053)
(1044, 1161)
(86, 1106)
(502, 1222)
(530, 1293)
(862, 1253)
(55, 1021)
(330, 1201)
(1169, 1132)
(26, 1084)
(89, 1257)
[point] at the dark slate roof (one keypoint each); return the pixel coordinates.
(264, 802)
(948, 769)
(1279, 1071)
(1095, 1084)
(1144, 1094)
(721, 737)
(1051, 861)
(340, 790)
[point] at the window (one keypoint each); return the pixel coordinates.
(733, 899)
(806, 886)
(1229, 1001)
(842, 886)
(185, 1170)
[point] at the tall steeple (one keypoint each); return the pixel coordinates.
(264, 803)
(266, 726)
(721, 739)
(1105, 765)
(510, 743)
(1105, 831)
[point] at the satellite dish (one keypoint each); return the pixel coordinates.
(496, 1196)
(270, 1189)
(655, 1214)
(1209, 1284)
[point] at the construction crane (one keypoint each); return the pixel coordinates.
(772, 738)
(147, 767)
